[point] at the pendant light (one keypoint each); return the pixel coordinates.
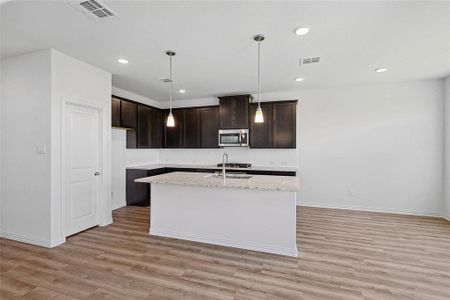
(170, 118)
(259, 118)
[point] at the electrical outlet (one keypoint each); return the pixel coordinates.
(350, 193)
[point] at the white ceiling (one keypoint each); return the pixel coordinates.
(215, 51)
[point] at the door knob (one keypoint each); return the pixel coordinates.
(96, 173)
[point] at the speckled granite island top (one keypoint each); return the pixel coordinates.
(255, 182)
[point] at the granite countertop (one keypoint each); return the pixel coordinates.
(256, 182)
(215, 167)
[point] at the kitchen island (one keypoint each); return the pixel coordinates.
(254, 212)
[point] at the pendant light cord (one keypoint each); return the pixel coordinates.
(170, 83)
(259, 72)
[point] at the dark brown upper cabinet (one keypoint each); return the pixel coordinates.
(234, 111)
(197, 127)
(128, 114)
(144, 126)
(173, 136)
(128, 120)
(156, 128)
(149, 127)
(209, 127)
(115, 112)
(279, 127)
(284, 124)
(142, 122)
(261, 133)
(191, 128)
(194, 128)
(131, 139)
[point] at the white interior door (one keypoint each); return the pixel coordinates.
(81, 168)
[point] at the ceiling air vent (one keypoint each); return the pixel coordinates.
(166, 80)
(93, 9)
(309, 60)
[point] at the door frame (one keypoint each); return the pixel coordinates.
(102, 206)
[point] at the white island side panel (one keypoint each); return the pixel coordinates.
(249, 219)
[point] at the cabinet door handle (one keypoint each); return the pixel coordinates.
(96, 173)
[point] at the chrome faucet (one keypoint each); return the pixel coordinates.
(223, 165)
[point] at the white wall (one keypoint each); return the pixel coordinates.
(74, 80)
(373, 147)
(257, 157)
(376, 147)
(118, 144)
(447, 148)
(26, 100)
(1, 133)
(34, 87)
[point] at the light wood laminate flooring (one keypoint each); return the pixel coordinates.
(342, 255)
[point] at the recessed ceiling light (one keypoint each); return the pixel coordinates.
(298, 79)
(122, 61)
(181, 91)
(380, 70)
(302, 30)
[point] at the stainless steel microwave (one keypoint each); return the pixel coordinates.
(233, 138)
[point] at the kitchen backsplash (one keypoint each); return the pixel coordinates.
(257, 157)
(123, 157)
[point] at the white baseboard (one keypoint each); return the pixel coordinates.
(226, 242)
(57, 242)
(25, 239)
(109, 221)
(374, 209)
(118, 205)
(447, 217)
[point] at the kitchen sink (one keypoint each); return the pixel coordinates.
(231, 175)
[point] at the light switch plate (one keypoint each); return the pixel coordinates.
(41, 149)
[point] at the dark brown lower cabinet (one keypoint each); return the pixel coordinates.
(209, 127)
(137, 193)
(279, 127)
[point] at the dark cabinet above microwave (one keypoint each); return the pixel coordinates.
(233, 111)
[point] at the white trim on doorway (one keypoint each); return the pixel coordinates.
(105, 217)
